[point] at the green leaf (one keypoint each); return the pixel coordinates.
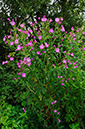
(40, 96)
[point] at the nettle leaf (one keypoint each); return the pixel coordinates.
(23, 103)
(12, 53)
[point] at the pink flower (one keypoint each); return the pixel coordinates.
(23, 74)
(58, 113)
(55, 110)
(62, 28)
(64, 61)
(30, 31)
(59, 120)
(74, 39)
(4, 38)
(57, 50)
(84, 48)
(39, 18)
(64, 51)
(74, 63)
(61, 19)
(12, 23)
(28, 60)
(56, 19)
(28, 34)
(35, 22)
(51, 20)
(23, 108)
(59, 22)
(19, 48)
(22, 68)
(8, 19)
(51, 30)
(83, 32)
(39, 37)
(16, 41)
(73, 78)
(51, 102)
(41, 46)
(11, 43)
(76, 66)
(72, 28)
(46, 45)
(67, 67)
(37, 33)
(73, 35)
(61, 76)
(3, 62)
(77, 30)
(29, 64)
(53, 64)
(19, 30)
(8, 56)
(35, 41)
(19, 66)
(23, 31)
(15, 18)
(58, 77)
(38, 52)
(22, 25)
(9, 37)
(55, 101)
(30, 43)
(43, 51)
(59, 45)
(43, 19)
(11, 58)
(44, 16)
(71, 54)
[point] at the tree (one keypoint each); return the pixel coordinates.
(72, 12)
(27, 10)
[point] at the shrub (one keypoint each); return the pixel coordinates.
(46, 75)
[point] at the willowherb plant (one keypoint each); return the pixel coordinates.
(47, 62)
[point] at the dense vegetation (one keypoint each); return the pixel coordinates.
(42, 69)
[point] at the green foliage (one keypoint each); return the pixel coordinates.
(72, 12)
(14, 117)
(31, 97)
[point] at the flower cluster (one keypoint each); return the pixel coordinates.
(26, 61)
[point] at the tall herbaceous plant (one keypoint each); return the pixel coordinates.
(47, 63)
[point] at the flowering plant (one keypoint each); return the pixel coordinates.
(47, 62)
